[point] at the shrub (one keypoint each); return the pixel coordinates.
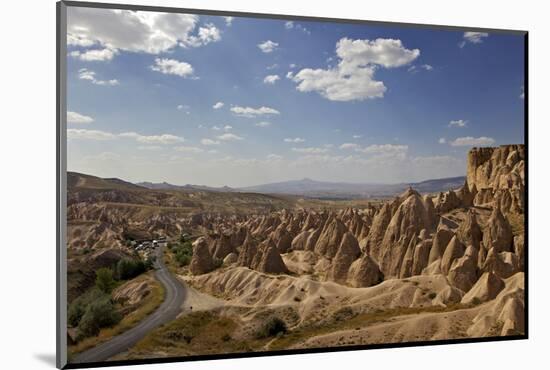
(104, 280)
(77, 308)
(75, 312)
(226, 337)
(127, 269)
(272, 327)
(184, 238)
(99, 314)
(183, 258)
(149, 262)
(183, 252)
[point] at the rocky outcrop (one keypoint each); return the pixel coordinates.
(498, 174)
(132, 292)
(409, 219)
(348, 251)
(498, 232)
(513, 317)
(441, 239)
(330, 238)
(230, 259)
(486, 288)
(493, 167)
(248, 252)
(421, 256)
(299, 242)
(484, 197)
(519, 250)
(268, 259)
(282, 238)
(201, 261)
(469, 231)
(503, 316)
(444, 202)
(504, 264)
(312, 240)
(454, 250)
(466, 194)
(463, 272)
(222, 246)
(364, 272)
(378, 229)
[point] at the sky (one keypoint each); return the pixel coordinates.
(239, 101)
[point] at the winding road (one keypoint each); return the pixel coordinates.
(174, 296)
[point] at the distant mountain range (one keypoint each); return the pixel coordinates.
(326, 190)
(167, 186)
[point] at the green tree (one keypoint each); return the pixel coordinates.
(78, 307)
(104, 280)
(99, 314)
(128, 269)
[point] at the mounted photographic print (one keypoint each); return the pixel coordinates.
(235, 184)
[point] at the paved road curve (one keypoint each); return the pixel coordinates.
(173, 299)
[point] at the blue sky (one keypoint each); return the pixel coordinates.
(242, 101)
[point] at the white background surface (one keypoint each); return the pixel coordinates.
(27, 196)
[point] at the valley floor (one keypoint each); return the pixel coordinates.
(224, 312)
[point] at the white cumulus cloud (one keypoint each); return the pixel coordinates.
(349, 146)
(473, 141)
(229, 21)
(164, 139)
(271, 79)
(209, 142)
(229, 137)
(88, 75)
(268, 46)
(94, 55)
(458, 123)
(310, 150)
(353, 77)
(380, 148)
(134, 31)
(473, 38)
(83, 134)
(294, 140)
(74, 117)
(172, 67)
(218, 105)
(253, 112)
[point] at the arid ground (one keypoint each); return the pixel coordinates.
(267, 272)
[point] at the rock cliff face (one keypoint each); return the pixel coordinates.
(499, 176)
(201, 262)
(411, 217)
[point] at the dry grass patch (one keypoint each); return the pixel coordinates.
(196, 333)
(345, 319)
